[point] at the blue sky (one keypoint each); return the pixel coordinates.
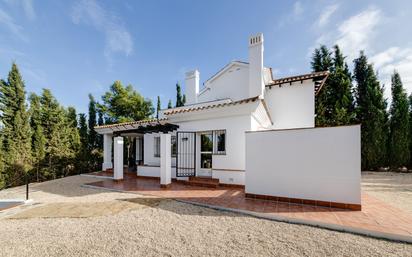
(82, 46)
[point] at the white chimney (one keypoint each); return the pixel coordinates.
(256, 81)
(192, 86)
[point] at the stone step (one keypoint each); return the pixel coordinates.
(203, 182)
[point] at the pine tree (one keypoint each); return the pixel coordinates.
(93, 141)
(16, 132)
(169, 105)
(371, 113)
(399, 153)
(122, 104)
(38, 141)
(179, 99)
(158, 107)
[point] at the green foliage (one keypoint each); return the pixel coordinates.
(38, 141)
(334, 104)
(179, 98)
(184, 99)
(93, 136)
(399, 153)
(371, 113)
(158, 107)
(16, 134)
(122, 104)
(169, 105)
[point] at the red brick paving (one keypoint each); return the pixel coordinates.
(376, 215)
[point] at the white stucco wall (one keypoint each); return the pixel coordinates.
(232, 84)
(316, 164)
(292, 106)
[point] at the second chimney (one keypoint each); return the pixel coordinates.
(256, 82)
(192, 86)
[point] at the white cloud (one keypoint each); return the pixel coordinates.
(326, 14)
(297, 9)
(118, 38)
(28, 9)
(394, 58)
(357, 32)
(353, 34)
(26, 5)
(7, 21)
(293, 16)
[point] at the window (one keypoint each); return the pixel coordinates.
(174, 145)
(156, 146)
(219, 142)
(206, 148)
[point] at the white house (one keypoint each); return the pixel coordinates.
(207, 135)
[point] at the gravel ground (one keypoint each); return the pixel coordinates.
(167, 228)
(390, 187)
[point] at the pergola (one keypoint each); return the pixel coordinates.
(113, 138)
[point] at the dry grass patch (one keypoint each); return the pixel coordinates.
(86, 209)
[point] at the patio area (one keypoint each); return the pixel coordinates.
(376, 215)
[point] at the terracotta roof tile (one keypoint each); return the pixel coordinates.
(314, 75)
(140, 122)
(207, 107)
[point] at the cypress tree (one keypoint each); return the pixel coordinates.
(100, 122)
(2, 172)
(100, 119)
(322, 61)
(169, 105)
(84, 151)
(72, 116)
(38, 141)
(179, 99)
(340, 100)
(93, 141)
(16, 131)
(371, 113)
(184, 99)
(399, 153)
(158, 107)
(410, 128)
(52, 119)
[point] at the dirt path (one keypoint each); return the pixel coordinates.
(158, 227)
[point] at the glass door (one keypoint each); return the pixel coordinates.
(206, 150)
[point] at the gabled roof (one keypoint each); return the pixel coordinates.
(212, 105)
(319, 78)
(225, 68)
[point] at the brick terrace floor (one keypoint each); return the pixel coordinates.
(376, 215)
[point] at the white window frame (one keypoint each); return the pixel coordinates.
(216, 133)
(156, 146)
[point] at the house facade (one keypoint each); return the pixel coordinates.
(206, 136)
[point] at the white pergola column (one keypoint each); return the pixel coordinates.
(107, 152)
(165, 161)
(118, 158)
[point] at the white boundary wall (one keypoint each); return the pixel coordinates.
(315, 163)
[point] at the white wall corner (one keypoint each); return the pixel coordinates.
(107, 152)
(256, 68)
(118, 158)
(192, 86)
(165, 160)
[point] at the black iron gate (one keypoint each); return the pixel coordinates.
(185, 154)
